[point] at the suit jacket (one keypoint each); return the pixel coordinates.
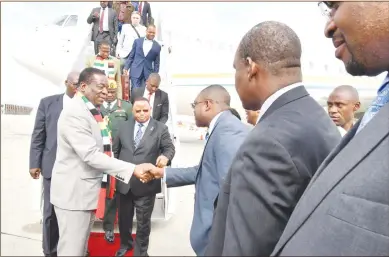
(139, 64)
(146, 14)
(81, 161)
(89, 63)
(269, 174)
(43, 146)
(220, 149)
(112, 24)
(160, 106)
(156, 140)
(345, 209)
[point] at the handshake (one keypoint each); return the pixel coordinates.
(146, 172)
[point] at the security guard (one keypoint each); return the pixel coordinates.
(114, 111)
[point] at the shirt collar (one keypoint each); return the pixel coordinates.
(213, 122)
(384, 84)
(112, 103)
(271, 99)
(146, 39)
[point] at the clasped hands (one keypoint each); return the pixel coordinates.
(146, 172)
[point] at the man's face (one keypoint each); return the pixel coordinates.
(71, 85)
(96, 91)
(104, 51)
(341, 107)
(252, 117)
(141, 111)
(152, 84)
(200, 110)
(112, 94)
(360, 34)
(150, 33)
(103, 4)
(135, 19)
(242, 84)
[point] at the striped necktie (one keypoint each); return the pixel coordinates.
(138, 135)
(381, 99)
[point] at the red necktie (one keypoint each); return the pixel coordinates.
(150, 96)
(140, 7)
(101, 22)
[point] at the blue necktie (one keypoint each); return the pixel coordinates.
(138, 135)
(207, 136)
(381, 99)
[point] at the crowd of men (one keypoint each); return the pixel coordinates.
(290, 185)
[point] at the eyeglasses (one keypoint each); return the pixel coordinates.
(327, 8)
(196, 103)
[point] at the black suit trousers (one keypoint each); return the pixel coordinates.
(144, 206)
(50, 223)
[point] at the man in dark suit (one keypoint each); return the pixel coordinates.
(145, 11)
(43, 151)
(280, 155)
(158, 99)
(345, 209)
(225, 135)
(140, 139)
(143, 59)
(105, 26)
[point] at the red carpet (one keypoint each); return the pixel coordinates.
(99, 247)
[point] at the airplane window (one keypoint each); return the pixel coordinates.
(72, 21)
(60, 20)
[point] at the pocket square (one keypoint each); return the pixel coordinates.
(159, 104)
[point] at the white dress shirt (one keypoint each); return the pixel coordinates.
(66, 101)
(105, 104)
(105, 20)
(342, 131)
(271, 99)
(136, 128)
(152, 97)
(212, 124)
(147, 45)
(127, 37)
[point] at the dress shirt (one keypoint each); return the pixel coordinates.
(152, 97)
(105, 21)
(271, 99)
(105, 104)
(66, 101)
(136, 128)
(147, 45)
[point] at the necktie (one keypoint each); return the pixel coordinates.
(207, 136)
(138, 135)
(140, 7)
(381, 100)
(109, 106)
(101, 21)
(150, 94)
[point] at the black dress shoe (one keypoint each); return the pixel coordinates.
(122, 251)
(109, 236)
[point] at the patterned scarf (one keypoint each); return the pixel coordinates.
(106, 65)
(107, 140)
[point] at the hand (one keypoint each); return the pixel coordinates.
(125, 72)
(96, 14)
(162, 161)
(158, 172)
(142, 172)
(35, 172)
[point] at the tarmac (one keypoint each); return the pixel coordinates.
(21, 231)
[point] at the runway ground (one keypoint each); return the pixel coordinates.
(21, 231)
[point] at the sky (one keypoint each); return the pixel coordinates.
(199, 29)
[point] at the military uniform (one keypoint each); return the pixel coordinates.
(120, 111)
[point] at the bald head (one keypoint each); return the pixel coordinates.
(347, 93)
(216, 93)
(273, 44)
(72, 83)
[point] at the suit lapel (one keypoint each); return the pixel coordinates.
(152, 47)
(157, 100)
(60, 102)
(348, 154)
(131, 124)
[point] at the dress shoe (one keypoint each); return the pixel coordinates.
(109, 236)
(122, 251)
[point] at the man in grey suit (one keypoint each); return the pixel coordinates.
(225, 135)
(43, 149)
(282, 152)
(80, 164)
(345, 209)
(105, 26)
(140, 139)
